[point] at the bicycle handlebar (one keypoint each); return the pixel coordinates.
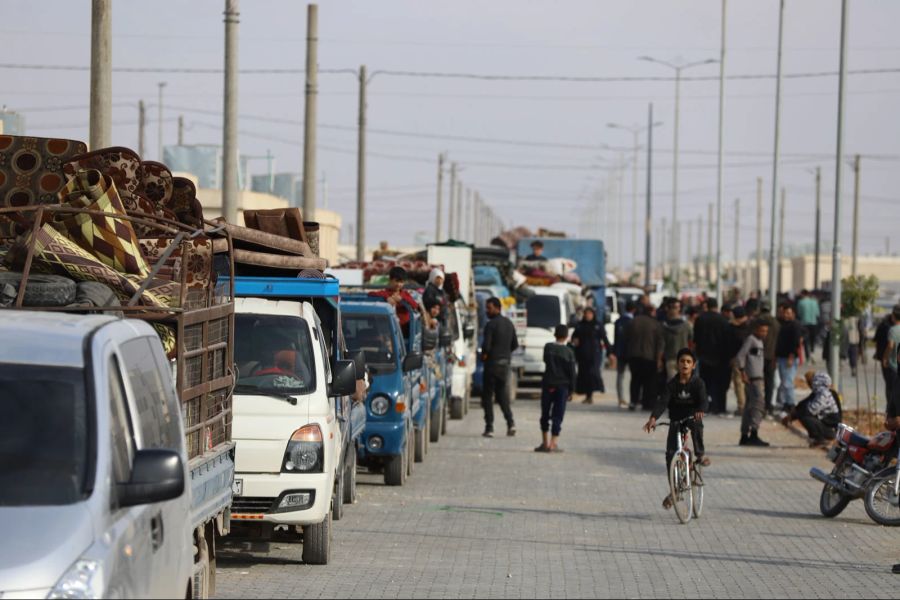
(679, 422)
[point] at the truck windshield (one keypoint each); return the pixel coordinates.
(274, 355)
(371, 334)
(544, 312)
(43, 435)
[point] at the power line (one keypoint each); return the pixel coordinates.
(457, 75)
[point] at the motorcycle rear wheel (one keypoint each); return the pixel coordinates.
(881, 502)
(832, 502)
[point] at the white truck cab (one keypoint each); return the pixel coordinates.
(549, 307)
(289, 440)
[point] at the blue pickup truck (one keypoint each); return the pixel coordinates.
(397, 392)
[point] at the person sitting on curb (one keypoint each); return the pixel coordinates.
(557, 385)
(820, 413)
(684, 396)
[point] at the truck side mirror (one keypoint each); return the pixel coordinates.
(343, 378)
(156, 476)
(413, 362)
(359, 359)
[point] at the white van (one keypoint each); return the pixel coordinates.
(289, 454)
(549, 307)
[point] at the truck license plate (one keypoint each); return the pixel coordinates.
(237, 487)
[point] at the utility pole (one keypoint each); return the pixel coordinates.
(699, 256)
(647, 263)
(439, 225)
(159, 118)
(834, 364)
(360, 166)
(690, 245)
(142, 125)
(451, 200)
(457, 209)
(230, 112)
(309, 123)
(818, 226)
(773, 268)
(781, 236)
(181, 130)
(463, 214)
(721, 165)
(101, 74)
(854, 263)
(737, 235)
(663, 250)
(759, 233)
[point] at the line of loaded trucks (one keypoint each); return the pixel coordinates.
(173, 381)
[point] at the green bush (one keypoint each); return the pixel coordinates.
(858, 294)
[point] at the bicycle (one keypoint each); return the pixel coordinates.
(685, 475)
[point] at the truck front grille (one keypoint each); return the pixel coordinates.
(242, 505)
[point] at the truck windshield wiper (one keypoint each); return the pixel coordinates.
(249, 389)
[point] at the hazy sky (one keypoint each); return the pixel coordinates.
(514, 37)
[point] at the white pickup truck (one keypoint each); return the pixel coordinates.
(292, 463)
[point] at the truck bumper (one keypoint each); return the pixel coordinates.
(262, 494)
(392, 438)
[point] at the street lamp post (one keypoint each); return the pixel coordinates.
(678, 68)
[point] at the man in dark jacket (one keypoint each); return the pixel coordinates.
(620, 349)
(557, 384)
(684, 397)
(787, 347)
(769, 345)
(644, 348)
(712, 339)
(881, 345)
(499, 343)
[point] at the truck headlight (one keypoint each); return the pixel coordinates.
(380, 405)
(84, 579)
(305, 451)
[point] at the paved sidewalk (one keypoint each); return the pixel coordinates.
(490, 518)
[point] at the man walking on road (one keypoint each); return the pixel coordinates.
(645, 347)
(711, 336)
(499, 343)
(751, 364)
(620, 346)
(790, 337)
(881, 345)
(678, 334)
(771, 363)
(740, 328)
(808, 313)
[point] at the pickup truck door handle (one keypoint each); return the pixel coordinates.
(156, 532)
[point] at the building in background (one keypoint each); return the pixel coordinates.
(13, 123)
(288, 186)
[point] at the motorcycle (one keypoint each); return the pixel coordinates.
(883, 496)
(858, 460)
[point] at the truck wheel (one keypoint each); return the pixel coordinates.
(465, 404)
(445, 416)
(421, 438)
(410, 452)
(395, 469)
(317, 542)
(350, 480)
(436, 423)
(337, 499)
(456, 408)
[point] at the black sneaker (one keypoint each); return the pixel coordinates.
(745, 439)
(488, 433)
(511, 432)
(755, 441)
(542, 448)
(896, 569)
(632, 407)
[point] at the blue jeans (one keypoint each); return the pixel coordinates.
(786, 388)
(553, 408)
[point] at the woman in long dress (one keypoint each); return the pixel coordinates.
(590, 342)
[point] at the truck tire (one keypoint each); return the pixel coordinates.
(445, 416)
(317, 542)
(94, 293)
(42, 290)
(436, 423)
(350, 479)
(421, 441)
(456, 408)
(395, 469)
(410, 451)
(337, 499)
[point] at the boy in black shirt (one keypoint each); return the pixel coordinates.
(684, 396)
(556, 388)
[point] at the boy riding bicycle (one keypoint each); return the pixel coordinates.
(684, 396)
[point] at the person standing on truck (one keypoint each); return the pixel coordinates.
(537, 252)
(556, 388)
(399, 298)
(500, 341)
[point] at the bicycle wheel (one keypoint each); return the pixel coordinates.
(697, 491)
(882, 504)
(680, 488)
